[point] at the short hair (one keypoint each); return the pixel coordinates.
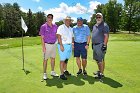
(50, 15)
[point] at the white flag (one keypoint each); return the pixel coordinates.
(23, 25)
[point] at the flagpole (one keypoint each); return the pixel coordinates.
(22, 51)
(25, 28)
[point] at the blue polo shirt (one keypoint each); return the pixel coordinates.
(81, 33)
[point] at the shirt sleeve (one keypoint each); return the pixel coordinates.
(59, 30)
(106, 29)
(88, 31)
(42, 31)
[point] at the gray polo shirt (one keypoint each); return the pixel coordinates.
(98, 32)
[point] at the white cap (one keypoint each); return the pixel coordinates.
(99, 14)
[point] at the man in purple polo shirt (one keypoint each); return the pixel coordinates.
(48, 39)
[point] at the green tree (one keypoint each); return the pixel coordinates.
(132, 10)
(40, 19)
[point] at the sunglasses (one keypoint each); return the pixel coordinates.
(98, 17)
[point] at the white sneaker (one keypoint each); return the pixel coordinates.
(54, 74)
(45, 76)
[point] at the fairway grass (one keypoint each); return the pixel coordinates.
(122, 70)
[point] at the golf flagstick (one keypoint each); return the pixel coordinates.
(25, 28)
(73, 63)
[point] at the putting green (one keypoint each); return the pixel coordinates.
(122, 71)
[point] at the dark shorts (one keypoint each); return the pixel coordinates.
(98, 54)
(79, 50)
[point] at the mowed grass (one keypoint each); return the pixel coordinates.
(122, 68)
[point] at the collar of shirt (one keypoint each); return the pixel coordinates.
(66, 26)
(49, 25)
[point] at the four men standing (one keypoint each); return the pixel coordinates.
(77, 38)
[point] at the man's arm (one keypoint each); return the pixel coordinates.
(43, 44)
(106, 39)
(72, 42)
(60, 42)
(88, 35)
(88, 39)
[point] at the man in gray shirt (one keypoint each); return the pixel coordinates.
(100, 35)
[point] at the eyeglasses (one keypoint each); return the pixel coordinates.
(98, 17)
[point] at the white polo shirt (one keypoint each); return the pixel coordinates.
(66, 34)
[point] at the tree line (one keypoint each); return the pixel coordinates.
(119, 17)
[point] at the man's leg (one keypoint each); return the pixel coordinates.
(53, 73)
(62, 67)
(66, 72)
(45, 66)
(52, 63)
(44, 69)
(78, 61)
(84, 64)
(65, 66)
(101, 67)
(62, 76)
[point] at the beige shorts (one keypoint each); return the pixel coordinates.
(50, 51)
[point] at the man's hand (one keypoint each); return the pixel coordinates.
(73, 45)
(87, 46)
(62, 48)
(44, 50)
(104, 47)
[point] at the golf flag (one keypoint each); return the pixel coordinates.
(23, 25)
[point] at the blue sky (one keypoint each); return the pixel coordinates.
(61, 8)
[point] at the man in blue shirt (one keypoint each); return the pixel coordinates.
(81, 42)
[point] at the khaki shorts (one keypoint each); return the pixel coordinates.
(50, 51)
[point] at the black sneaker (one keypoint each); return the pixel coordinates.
(63, 77)
(84, 72)
(67, 73)
(79, 72)
(99, 76)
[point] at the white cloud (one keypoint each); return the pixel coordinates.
(23, 10)
(88, 20)
(36, 0)
(92, 6)
(40, 8)
(63, 10)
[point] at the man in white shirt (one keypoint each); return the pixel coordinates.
(65, 38)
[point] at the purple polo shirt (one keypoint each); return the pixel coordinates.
(48, 32)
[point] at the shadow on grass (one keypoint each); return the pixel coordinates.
(75, 80)
(55, 81)
(111, 82)
(80, 81)
(26, 71)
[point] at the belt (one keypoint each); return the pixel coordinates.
(80, 42)
(69, 44)
(96, 43)
(50, 43)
